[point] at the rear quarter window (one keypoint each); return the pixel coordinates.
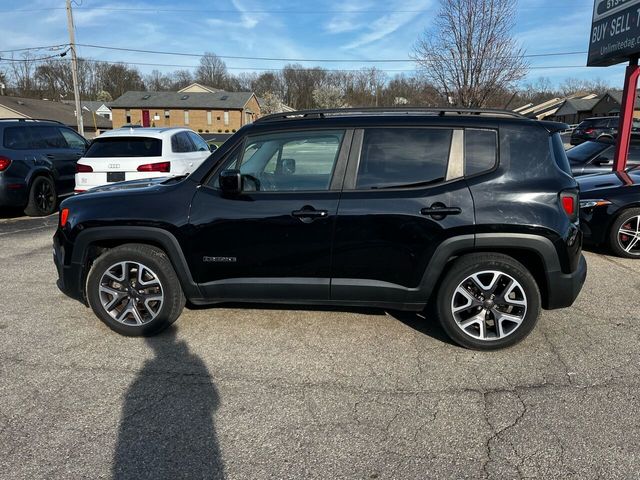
(125, 147)
(16, 138)
(480, 151)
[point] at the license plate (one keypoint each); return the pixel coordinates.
(115, 176)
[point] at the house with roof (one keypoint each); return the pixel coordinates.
(19, 107)
(202, 111)
(575, 110)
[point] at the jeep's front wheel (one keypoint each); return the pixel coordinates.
(134, 290)
(488, 301)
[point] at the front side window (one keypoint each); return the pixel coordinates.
(73, 139)
(480, 151)
(289, 161)
(198, 142)
(403, 157)
(125, 147)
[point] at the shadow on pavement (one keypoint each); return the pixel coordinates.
(166, 429)
(424, 323)
(10, 212)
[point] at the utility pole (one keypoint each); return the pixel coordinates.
(74, 67)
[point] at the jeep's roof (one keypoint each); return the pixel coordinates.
(408, 115)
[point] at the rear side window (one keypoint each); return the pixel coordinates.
(480, 151)
(17, 138)
(180, 143)
(47, 137)
(395, 158)
(125, 147)
(73, 139)
(559, 153)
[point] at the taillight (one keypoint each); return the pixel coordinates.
(569, 201)
(64, 215)
(80, 168)
(155, 167)
(4, 163)
(589, 131)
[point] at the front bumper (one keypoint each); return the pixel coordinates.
(70, 275)
(564, 288)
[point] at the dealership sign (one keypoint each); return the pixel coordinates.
(615, 32)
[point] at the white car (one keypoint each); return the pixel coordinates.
(136, 153)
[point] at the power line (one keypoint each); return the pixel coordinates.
(327, 60)
(62, 54)
(45, 47)
(534, 67)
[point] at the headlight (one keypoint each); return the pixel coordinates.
(593, 203)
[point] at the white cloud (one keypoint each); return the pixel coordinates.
(390, 23)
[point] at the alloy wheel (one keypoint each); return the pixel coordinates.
(489, 305)
(44, 196)
(629, 236)
(131, 293)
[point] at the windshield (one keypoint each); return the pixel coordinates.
(586, 151)
(125, 147)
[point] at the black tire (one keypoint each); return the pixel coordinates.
(483, 313)
(155, 265)
(43, 198)
(617, 241)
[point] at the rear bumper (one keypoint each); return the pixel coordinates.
(13, 193)
(564, 288)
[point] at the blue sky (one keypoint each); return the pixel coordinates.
(352, 30)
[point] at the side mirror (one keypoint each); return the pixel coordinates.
(213, 147)
(231, 181)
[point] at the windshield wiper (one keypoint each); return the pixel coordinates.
(410, 185)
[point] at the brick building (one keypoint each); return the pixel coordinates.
(202, 111)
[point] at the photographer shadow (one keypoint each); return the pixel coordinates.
(167, 429)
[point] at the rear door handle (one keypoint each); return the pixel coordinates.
(50, 156)
(308, 214)
(438, 212)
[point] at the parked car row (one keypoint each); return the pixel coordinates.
(598, 127)
(42, 161)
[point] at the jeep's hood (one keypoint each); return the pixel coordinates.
(130, 184)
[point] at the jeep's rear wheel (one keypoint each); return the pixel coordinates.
(488, 301)
(134, 290)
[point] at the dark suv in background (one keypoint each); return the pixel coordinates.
(473, 213)
(37, 163)
(597, 127)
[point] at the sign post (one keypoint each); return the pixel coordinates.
(615, 38)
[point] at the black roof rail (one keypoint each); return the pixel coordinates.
(336, 112)
(19, 119)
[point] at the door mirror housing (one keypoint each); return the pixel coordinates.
(231, 181)
(213, 147)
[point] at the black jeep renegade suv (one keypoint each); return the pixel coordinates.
(474, 213)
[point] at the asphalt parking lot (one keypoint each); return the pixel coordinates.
(272, 393)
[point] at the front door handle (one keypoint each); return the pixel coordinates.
(438, 211)
(308, 214)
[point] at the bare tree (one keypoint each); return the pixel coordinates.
(156, 81)
(469, 53)
(212, 71)
(271, 103)
(23, 75)
(181, 79)
(117, 78)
